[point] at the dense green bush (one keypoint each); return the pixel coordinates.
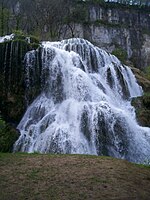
(8, 135)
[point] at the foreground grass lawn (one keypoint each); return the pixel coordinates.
(71, 177)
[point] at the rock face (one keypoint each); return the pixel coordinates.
(113, 28)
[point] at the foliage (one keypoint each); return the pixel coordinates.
(77, 14)
(146, 100)
(147, 72)
(8, 135)
(4, 20)
(120, 53)
(2, 123)
(147, 94)
(20, 35)
(18, 32)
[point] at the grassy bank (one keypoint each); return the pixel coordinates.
(71, 177)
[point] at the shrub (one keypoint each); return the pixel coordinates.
(121, 54)
(8, 136)
(147, 72)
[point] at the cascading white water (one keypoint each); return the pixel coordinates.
(84, 106)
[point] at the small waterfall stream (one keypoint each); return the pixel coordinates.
(84, 106)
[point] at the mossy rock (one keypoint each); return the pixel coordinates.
(19, 35)
(142, 106)
(12, 77)
(13, 87)
(143, 117)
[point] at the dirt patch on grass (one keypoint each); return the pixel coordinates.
(71, 177)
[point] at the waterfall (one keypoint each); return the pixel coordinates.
(6, 38)
(84, 104)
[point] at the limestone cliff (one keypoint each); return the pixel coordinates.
(116, 27)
